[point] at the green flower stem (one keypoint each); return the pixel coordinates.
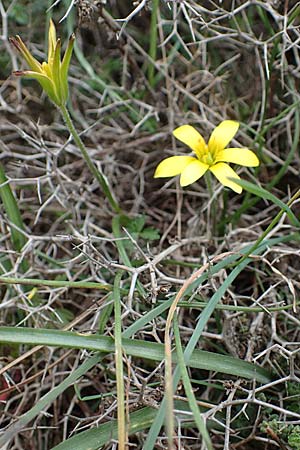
(116, 228)
(97, 174)
(208, 181)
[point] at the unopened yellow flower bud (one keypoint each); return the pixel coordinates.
(53, 74)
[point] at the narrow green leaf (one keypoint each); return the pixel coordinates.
(141, 349)
(96, 437)
(13, 213)
(189, 351)
(189, 389)
(263, 193)
(55, 283)
(47, 399)
(119, 362)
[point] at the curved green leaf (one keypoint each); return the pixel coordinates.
(263, 193)
(142, 349)
(96, 437)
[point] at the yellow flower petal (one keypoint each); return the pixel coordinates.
(222, 135)
(53, 74)
(193, 172)
(191, 137)
(56, 69)
(242, 156)
(21, 47)
(46, 70)
(43, 79)
(51, 41)
(170, 167)
(222, 171)
(65, 67)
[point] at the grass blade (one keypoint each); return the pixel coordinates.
(93, 439)
(18, 238)
(190, 348)
(188, 388)
(48, 399)
(142, 349)
(122, 432)
(263, 193)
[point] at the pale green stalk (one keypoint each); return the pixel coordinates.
(169, 389)
(208, 180)
(116, 228)
(55, 283)
(122, 433)
(188, 387)
(94, 170)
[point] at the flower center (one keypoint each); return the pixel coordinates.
(207, 158)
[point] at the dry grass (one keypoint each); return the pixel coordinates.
(215, 60)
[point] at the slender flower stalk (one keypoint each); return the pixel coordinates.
(209, 157)
(94, 170)
(53, 77)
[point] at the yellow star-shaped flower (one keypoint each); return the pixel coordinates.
(53, 74)
(212, 156)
